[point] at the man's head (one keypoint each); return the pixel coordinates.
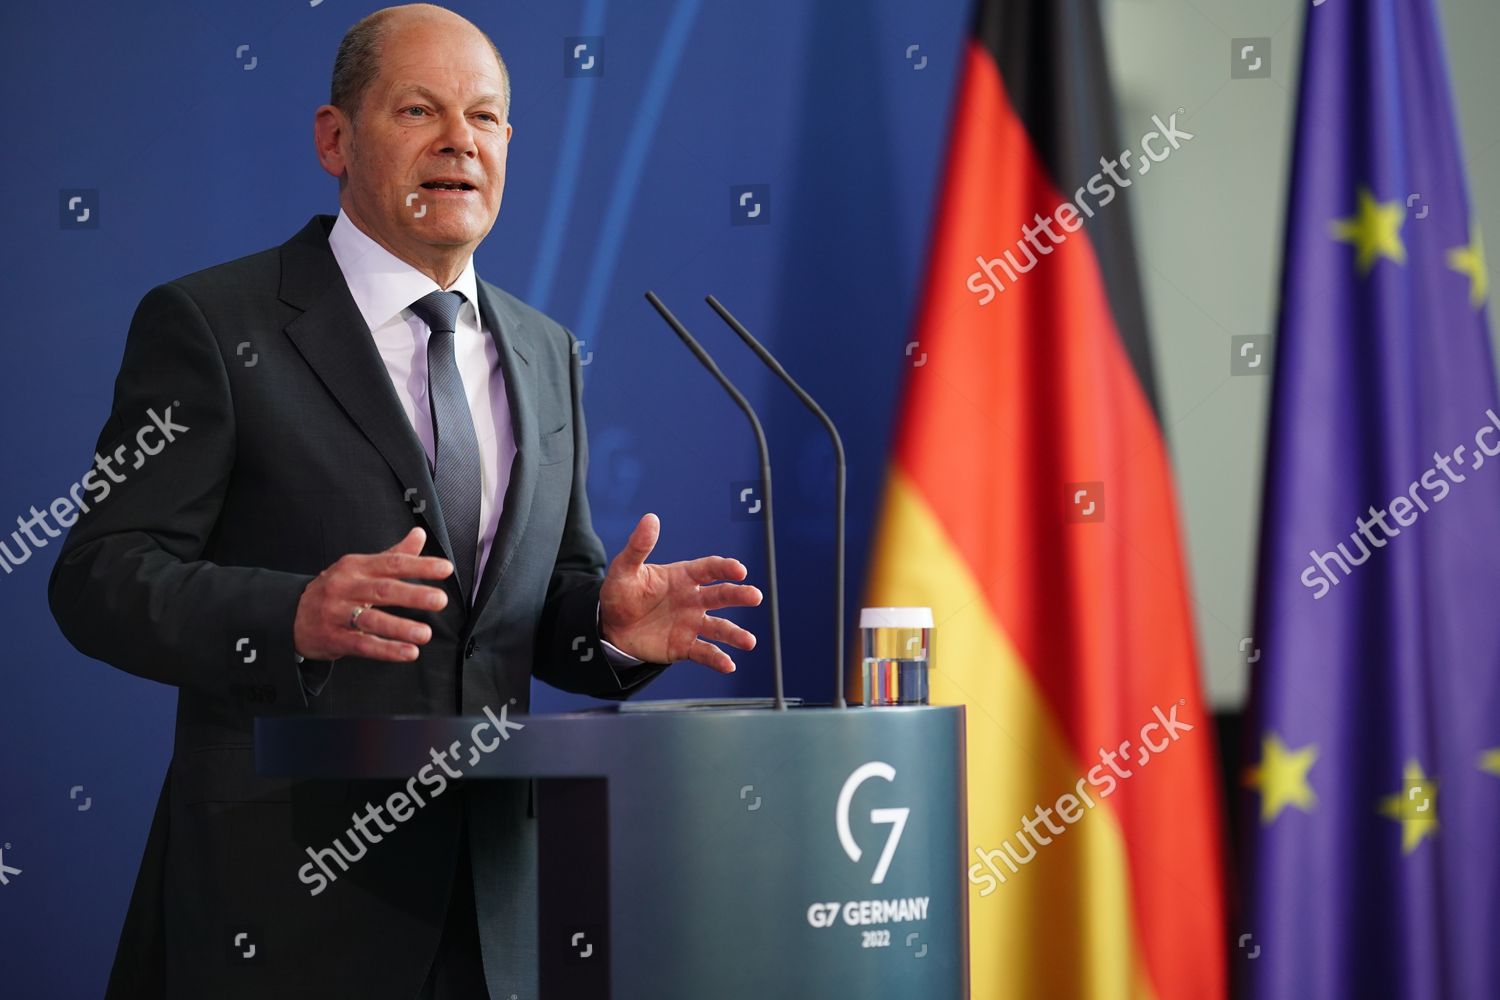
(416, 131)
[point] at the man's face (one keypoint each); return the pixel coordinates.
(425, 156)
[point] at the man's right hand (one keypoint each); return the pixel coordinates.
(322, 628)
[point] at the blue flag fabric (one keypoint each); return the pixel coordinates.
(1372, 770)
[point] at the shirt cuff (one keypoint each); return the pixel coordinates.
(616, 657)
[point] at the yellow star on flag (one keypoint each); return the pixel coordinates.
(1469, 261)
(1281, 777)
(1414, 807)
(1375, 230)
(1489, 761)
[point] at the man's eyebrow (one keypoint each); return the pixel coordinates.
(417, 88)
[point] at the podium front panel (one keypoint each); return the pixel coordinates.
(746, 854)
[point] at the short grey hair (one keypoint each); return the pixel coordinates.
(358, 63)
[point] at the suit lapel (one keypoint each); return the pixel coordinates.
(335, 341)
(511, 338)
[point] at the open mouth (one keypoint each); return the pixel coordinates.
(448, 186)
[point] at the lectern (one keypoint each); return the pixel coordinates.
(719, 852)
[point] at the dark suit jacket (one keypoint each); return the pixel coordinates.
(297, 452)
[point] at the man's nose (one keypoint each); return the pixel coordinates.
(458, 136)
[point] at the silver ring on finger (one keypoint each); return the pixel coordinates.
(354, 616)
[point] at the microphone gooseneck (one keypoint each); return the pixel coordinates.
(839, 475)
(765, 478)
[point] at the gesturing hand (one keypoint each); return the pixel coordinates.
(323, 629)
(658, 612)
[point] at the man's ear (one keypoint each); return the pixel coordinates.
(331, 129)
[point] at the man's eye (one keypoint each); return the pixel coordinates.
(414, 108)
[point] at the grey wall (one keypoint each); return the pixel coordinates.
(1209, 226)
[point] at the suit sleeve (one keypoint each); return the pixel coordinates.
(570, 654)
(130, 586)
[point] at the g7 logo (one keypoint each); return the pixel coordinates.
(896, 817)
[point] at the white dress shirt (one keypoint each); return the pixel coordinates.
(384, 286)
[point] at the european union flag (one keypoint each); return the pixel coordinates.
(1373, 782)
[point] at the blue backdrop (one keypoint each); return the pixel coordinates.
(186, 131)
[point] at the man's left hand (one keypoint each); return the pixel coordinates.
(659, 613)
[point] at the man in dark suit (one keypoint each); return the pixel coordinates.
(370, 499)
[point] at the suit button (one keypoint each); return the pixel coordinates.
(469, 649)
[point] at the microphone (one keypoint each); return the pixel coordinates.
(765, 479)
(839, 472)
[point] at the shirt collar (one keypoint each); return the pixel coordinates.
(383, 284)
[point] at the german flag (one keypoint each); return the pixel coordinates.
(1029, 503)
